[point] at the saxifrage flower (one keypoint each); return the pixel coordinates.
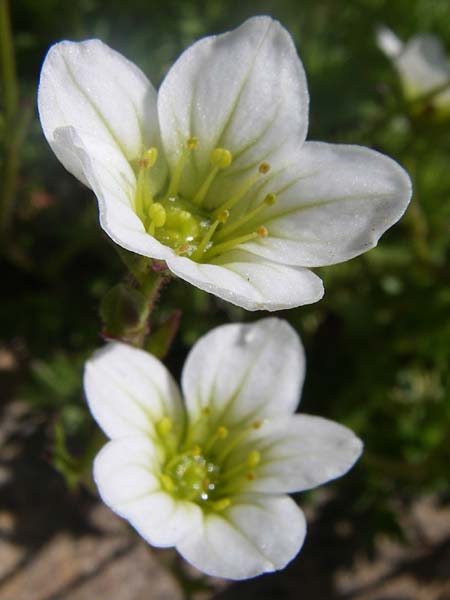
(422, 65)
(212, 174)
(209, 473)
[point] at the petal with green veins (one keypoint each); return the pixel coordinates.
(244, 90)
(98, 92)
(245, 541)
(333, 204)
(244, 372)
(129, 391)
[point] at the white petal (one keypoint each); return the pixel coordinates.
(110, 176)
(126, 474)
(334, 205)
(163, 520)
(300, 454)
(388, 42)
(252, 537)
(124, 471)
(95, 90)
(251, 282)
(128, 391)
(244, 372)
(244, 90)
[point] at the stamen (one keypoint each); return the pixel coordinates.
(143, 196)
(220, 434)
(229, 245)
(269, 200)
(191, 144)
(220, 159)
(182, 249)
(253, 459)
(221, 504)
(223, 216)
(240, 193)
(148, 159)
(262, 231)
(167, 482)
(205, 241)
(164, 426)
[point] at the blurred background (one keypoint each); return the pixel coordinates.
(377, 344)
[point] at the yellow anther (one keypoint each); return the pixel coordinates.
(221, 158)
(222, 432)
(270, 199)
(223, 216)
(164, 426)
(222, 504)
(192, 143)
(157, 214)
(148, 158)
(262, 231)
(167, 483)
(254, 458)
(264, 168)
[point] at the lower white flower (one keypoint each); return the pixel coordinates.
(210, 475)
(421, 63)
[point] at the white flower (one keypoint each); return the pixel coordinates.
(212, 174)
(210, 475)
(421, 63)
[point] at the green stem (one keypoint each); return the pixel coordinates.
(150, 288)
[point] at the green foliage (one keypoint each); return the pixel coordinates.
(377, 345)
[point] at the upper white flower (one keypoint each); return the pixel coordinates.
(210, 475)
(212, 174)
(422, 65)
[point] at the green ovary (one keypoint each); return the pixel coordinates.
(183, 229)
(191, 477)
(201, 472)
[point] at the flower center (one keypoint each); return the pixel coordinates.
(188, 225)
(204, 473)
